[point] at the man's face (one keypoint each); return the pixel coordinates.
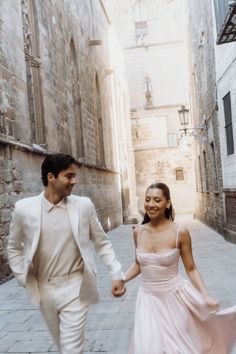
(64, 182)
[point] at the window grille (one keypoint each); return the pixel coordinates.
(228, 124)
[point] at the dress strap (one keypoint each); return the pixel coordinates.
(138, 236)
(177, 236)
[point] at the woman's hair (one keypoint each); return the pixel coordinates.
(169, 212)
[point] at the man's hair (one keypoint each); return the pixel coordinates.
(56, 163)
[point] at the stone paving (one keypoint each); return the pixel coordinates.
(109, 325)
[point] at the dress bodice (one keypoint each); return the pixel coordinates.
(159, 270)
(171, 315)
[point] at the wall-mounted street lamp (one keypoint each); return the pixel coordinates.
(198, 132)
(184, 118)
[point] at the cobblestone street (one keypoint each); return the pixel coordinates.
(110, 322)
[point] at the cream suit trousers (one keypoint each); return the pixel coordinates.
(64, 312)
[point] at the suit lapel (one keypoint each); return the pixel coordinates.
(36, 214)
(73, 208)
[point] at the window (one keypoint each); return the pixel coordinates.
(200, 174)
(148, 92)
(76, 130)
(100, 153)
(179, 174)
(214, 170)
(206, 172)
(141, 29)
(33, 64)
(228, 124)
(140, 20)
(230, 204)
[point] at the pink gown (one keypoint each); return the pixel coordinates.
(171, 316)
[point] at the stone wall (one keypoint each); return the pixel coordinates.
(59, 90)
(204, 109)
(162, 168)
(225, 74)
(19, 177)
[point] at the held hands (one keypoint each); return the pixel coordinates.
(118, 288)
(212, 303)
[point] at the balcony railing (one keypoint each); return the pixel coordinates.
(225, 11)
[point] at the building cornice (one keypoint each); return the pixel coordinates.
(146, 45)
(37, 149)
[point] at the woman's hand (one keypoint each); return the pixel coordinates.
(118, 288)
(211, 302)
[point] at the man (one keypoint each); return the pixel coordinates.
(50, 253)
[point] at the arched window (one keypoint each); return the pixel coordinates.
(33, 64)
(75, 92)
(179, 174)
(100, 154)
(148, 91)
(205, 171)
(200, 174)
(214, 167)
(140, 20)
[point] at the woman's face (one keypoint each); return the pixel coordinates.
(155, 203)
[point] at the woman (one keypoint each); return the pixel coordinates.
(173, 315)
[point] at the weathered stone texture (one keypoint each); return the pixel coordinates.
(162, 169)
(59, 93)
(210, 81)
(225, 80)
(157, 73)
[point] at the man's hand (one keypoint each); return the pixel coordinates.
(118, 288)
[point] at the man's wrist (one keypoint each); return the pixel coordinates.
(118, 276)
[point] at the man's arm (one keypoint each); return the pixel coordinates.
(105, 250)
(15, 248)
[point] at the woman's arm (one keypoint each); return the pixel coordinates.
(132, 272)
(191, 269)
(134, 269)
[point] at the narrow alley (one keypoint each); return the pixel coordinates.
(136, 92)
(109, 325)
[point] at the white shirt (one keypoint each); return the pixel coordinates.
(57, 253)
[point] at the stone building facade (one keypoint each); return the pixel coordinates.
(212, 87)
(153, 36)
(204, 112)
(226, 93)
(62, 80)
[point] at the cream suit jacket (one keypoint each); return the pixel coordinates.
(24, 237)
